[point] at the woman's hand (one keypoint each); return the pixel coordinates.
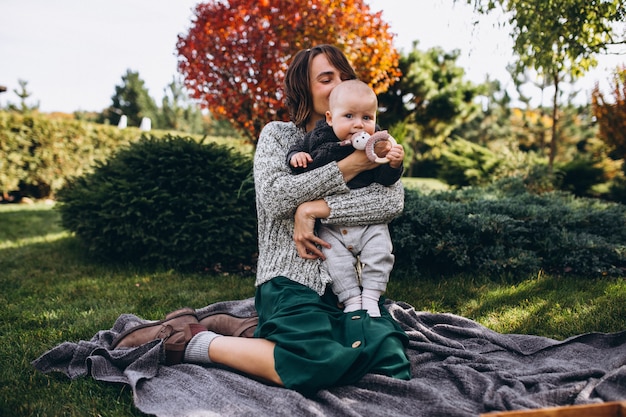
(304, 229)
(355, 163)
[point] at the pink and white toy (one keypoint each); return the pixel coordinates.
(367, 142)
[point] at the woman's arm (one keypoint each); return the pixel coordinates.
(368, 205)
(280, 192)
(354, 164)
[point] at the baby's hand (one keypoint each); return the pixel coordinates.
(396, 156)
(300, 160)
(382, 148)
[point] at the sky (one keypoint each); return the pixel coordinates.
(72, 53)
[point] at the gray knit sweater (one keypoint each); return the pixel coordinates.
(279, 193)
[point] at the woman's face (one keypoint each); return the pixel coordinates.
(324, 77)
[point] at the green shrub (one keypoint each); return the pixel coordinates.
(14, 146)
(465, 163)
(617, 186)
(580, 175)
(38, 153)
(503, 229)
(169, 202)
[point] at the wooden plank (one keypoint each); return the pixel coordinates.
(612, 409)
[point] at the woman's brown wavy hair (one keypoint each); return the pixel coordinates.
(298, 98)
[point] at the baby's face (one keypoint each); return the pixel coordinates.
(352, 113)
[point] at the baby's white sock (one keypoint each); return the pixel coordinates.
(352, 304)
(370, 302)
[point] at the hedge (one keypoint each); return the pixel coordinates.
(503, 229)
(38, 153)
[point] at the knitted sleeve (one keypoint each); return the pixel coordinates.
(373, 204)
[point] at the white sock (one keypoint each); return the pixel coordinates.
(370, 302)
(352, 304)
(197, 351)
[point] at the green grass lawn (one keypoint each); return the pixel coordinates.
(51, 293)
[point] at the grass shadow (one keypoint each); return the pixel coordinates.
(556, 307)
(22, 223)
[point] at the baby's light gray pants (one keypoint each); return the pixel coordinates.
(371, 245)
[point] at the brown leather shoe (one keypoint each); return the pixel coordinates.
(176, 344)
(175, 322)
(229, 325)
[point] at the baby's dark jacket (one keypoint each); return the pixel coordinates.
(324, 147)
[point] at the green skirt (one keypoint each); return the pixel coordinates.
(319, 346)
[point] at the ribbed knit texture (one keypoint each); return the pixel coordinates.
(279, 193)
(197, 351)
(353, 304)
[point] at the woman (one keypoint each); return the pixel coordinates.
(303, 340)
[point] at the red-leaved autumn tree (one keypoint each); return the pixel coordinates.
(611, 113)
(234, 57)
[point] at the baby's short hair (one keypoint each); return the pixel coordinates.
(350, 87)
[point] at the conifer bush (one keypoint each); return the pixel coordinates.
(464, 163)
(170, 202)
(580, 175)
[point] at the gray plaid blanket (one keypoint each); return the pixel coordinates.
(459, 368)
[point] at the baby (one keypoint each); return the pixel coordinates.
(368, 249)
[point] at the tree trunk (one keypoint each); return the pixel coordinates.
(555, 118)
